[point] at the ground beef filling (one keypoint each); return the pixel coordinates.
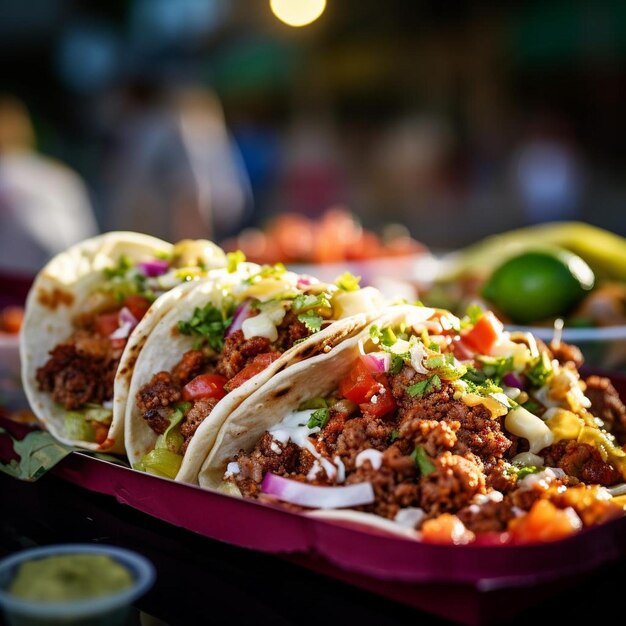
(79, 371)
(462, 441)
(581, 461)
(156, 399)
(468, 448)
(606, 404)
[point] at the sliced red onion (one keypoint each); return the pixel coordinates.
(127, 322)
(512, 380)
(305, 281)
(377, 362)
(154, 267)
(242, 313)
(315, 497)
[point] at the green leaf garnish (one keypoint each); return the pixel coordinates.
(397, 361)
(422, 461)
(319, 418)
(311, 321)
(424, 386)
(209, 322)
(393, 435)
(348, 282)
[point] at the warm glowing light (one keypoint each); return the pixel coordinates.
(297, 12)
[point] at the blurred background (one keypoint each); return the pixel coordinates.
(189, 118)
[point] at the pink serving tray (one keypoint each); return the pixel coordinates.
(351, 548)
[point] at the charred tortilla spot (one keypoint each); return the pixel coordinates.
(282, 392)
(310, 351)
(55, 298)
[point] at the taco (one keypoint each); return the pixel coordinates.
(220, 344)
(87, 316)
(446, 429)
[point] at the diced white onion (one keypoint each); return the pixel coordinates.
(523, 423)
(411, 517)
(527, 459)
(259, 326)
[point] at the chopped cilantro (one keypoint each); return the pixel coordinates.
(311, 321)
(421, 460)
(393, 435)
(433, 362)
(319, 418)
(540, 370)
(124, 263)
(348, 282)
(209, 322)
(424, 386)
(233, 259)
(446, 366)
(397, 361)
(434, 346)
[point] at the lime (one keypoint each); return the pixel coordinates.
(538, 284)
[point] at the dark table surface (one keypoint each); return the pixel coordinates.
(198, 578)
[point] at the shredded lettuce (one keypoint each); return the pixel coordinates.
(540, 370)
(77, 427)
(161, 462)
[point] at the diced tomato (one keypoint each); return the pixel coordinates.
(544, 522)
(106, 323)
(204, 386)
(484, 334)
(137, 305)
(446, 528)
(358, 384)
(381, 400)
(361, 386)
(256, 366)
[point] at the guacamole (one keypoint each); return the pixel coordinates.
(70, 577)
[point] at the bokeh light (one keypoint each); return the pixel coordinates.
(297, 12)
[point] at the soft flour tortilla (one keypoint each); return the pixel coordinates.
(165, 347)
(59, 293)
(317, 377)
